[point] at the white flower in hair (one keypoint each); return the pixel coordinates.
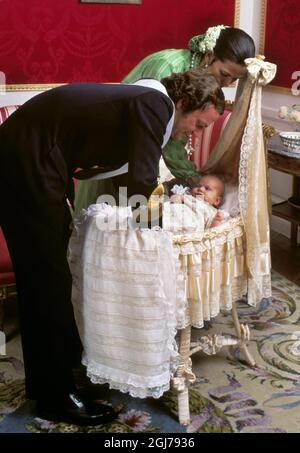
(210, 38)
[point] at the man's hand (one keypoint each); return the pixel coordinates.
(176, 199)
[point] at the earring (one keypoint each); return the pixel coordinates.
(206, 66)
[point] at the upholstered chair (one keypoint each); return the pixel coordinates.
(7, 277)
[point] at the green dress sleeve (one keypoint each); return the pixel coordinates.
(160, 64)
(175, 157)
(88, 191)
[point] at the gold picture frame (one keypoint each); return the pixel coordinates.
(262, 47)
(133, 2)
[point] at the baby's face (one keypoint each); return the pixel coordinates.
(210, 189)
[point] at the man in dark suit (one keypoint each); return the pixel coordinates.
(41, 144)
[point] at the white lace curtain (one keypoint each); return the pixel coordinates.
(240, 155)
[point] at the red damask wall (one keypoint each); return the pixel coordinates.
(282, 39)
(53, 41)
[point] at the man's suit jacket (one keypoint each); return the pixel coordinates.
(83, 125)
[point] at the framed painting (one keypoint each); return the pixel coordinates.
(280, 42)
(112, 1)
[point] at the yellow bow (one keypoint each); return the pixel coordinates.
(260, 71)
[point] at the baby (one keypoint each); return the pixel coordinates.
(209, 188)
(201, 201)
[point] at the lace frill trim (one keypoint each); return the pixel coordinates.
(124, 383)
(259, 285)
(190, 244)
(182, 313)
(156, 245)
(259, 288)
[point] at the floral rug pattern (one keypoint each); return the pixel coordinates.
(228, 395)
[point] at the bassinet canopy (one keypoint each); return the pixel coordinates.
(240, 155)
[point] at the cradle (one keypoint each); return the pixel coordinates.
(133, 289)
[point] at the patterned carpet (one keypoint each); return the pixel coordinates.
(227, 396)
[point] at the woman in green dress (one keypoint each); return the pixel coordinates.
(221, 51)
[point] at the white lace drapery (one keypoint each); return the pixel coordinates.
(240, 155)
(124, 301)
(211, 274)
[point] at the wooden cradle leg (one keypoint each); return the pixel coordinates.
(180, 380)
(243, 334)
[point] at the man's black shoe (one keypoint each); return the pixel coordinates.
(77, 410)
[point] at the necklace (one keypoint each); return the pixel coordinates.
(196, 60)
(193, 60)
(189, 147)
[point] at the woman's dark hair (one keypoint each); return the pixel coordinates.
(196, 88)
(235, 45)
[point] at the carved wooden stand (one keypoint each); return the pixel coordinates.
(209, 344)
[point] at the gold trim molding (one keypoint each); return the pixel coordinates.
(262, 34)
(237, 13)
(278, 89)
(29, 87)
(262, 43)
